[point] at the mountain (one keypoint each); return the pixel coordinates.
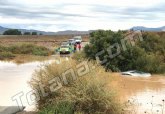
(72, 32)
(3, 29)
(67, 32)
(149, 29)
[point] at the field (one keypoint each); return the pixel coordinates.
(49, 41)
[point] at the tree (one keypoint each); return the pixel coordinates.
(27, 33)
(147, 55)
(12, 32)
(34, 33)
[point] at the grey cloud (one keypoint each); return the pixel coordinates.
(4, 2)
(124, 13)
(13, 10)
(20, 26)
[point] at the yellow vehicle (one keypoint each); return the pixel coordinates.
(65, 49)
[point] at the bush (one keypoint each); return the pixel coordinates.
(12, 32)
(27, 33)
(88, 94)
(34, 33)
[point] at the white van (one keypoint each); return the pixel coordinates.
(78, 39)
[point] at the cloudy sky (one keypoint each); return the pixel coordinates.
(58, 15)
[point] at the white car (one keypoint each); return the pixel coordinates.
(136, 73)
(71, 41)
(65, 44)
(78, 39)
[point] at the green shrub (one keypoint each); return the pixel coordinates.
(147, 55)
(63, 107)
(12, 32)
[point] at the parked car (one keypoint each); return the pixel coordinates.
(65, 49)
(65, 44)
(78, 39)
(136, 73)
(71, 41)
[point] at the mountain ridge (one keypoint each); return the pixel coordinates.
(158, 29)
(67, 32)
(75, 32)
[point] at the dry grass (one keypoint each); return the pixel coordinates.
(89, 94)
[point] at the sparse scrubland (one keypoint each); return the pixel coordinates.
(87, 94)
(147, 55)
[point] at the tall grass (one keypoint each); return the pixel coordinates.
(30, 49)
(89, 94)
(6, 55)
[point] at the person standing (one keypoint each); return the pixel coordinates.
(79, 46)
(75, 47)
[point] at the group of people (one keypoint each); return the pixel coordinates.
(77, 46)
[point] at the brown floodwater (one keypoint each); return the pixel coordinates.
(14, 79)
(139, 95)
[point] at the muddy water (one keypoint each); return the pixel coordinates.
(14, 79)
(142, 95)
(139, 95)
